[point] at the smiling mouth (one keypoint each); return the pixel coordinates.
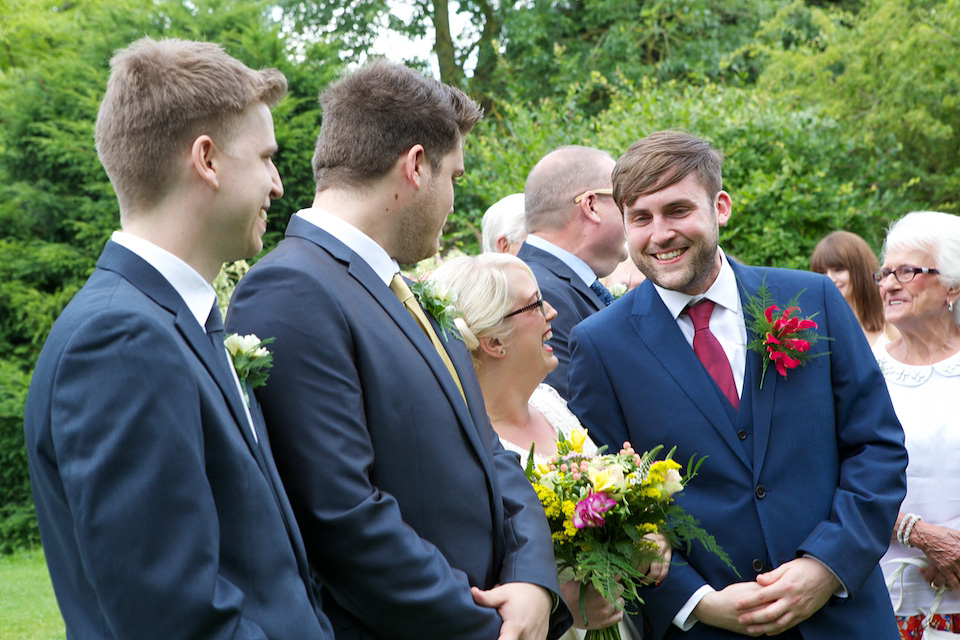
(263, 214)
(669, 255)
(547, 335)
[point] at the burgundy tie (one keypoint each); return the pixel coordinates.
(711, 354)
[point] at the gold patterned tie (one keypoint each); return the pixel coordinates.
(399, 287)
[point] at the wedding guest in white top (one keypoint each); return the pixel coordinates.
(849, 262)
(506, 325)
(920, 285)
(503, 227)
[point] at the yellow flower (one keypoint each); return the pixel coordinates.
(577, 438)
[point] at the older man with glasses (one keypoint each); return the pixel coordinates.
(575, 237)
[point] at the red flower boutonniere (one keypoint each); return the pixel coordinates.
(780, 337)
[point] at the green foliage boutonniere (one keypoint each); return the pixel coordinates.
(251, 360)
(780, 337)
(439, 302)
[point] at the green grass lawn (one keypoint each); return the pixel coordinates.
(28, 610)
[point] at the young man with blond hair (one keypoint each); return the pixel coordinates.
(160, 509)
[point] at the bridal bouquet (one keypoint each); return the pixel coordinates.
(601, 506)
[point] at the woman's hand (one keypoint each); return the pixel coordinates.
(600, 613)
(941, 545)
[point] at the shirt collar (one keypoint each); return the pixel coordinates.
(579, 267)
(357, 241)
(196, 292)
(723, 291)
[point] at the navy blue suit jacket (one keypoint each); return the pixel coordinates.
(811, 464)
(404, 494)
(159, 514)
(573, 300)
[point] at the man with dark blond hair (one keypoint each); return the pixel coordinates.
(418, 523)
(804, 469)
(160, 509)
(575, 238)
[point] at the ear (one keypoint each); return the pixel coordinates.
(204, 160)
(724, 207)
(586, 208)
(492, 347)
(502, 245)
(412, 165)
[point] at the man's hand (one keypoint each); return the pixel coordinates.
(789, 594)
(719, 608)
(658, 569)
(523, 607)
(600, 613)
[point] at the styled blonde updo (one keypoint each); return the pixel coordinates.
(482, 286)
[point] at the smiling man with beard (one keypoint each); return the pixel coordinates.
(804, 473)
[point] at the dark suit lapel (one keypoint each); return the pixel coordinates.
(659, 332)
(748, 281)
(529, 253)
(364, 274)
(148, 280)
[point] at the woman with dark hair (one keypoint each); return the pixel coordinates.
(847, 259)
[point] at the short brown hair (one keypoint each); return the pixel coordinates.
(664, 158)
(845, 250)
(375, 114)
(162, 95)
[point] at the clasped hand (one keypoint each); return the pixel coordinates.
(777, 601)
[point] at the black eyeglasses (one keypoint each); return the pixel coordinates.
(529, 307)
(903, 273)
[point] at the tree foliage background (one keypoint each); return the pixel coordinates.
(831, 114)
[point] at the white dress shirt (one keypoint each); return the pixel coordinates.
(357, 241)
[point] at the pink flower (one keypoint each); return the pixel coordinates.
(589, 511)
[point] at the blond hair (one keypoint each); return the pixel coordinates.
(162, 95)
(482, 287)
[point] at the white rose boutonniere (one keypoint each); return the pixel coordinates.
(251, 360)
(617, 289)
(439, 302)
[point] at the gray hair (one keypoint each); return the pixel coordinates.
(483, 292)
(932, 231)
(504, 218)
(558, 178)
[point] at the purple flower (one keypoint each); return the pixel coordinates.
(589, 511)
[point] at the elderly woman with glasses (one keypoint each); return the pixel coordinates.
(920, 284)
(506, 325)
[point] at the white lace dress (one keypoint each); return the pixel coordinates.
(547, 401)
(925, 399)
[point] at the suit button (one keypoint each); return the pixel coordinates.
(757, 565)
(742, 434)
(761, 492)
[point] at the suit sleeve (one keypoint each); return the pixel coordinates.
(376, 566)
(872, 478)
(128, 441)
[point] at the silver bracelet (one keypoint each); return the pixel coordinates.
(906, 528)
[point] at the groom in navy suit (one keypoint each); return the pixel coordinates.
(161, 512)
(416, 520)
(803, 476)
